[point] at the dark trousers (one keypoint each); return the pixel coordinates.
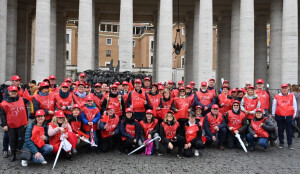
(179, 143)
(182, 121)
(5, 141)
(220, 135)
(129, 145)
(139, 115)
(232, 141)
(197, 145)
(113, 141)
(285, 122)
(16, 138)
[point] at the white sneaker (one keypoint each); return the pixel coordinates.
(24, 163)
(44, 162)
(196, 153)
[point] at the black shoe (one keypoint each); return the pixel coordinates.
(13, 158)
(272, 143)
(251, 148)
(5, 154)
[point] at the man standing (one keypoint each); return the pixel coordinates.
(53, 86)
(264, 95)
(204, 98)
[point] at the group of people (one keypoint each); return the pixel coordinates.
(124, 116)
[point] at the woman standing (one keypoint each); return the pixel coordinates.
(79, 95)
(250, 103)
(63, 99)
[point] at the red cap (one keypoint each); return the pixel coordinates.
(68, 80)
(180, 82)
(12, 88)
(250, 87)
(64, 84)
(259, 110)
(225, 86)
(188, 87)
(161, 87)
(137, 81)
(225, 81)
(82, 75)
(128, 110)
(159, 83)
(215, 106)
(147, 78)
(76, 106)
(170, 111)
(204, 83)
(109, 107)
(181, 88)
(114, 86)
(260, 81)
(80, 84)
(236, 101)
(43, 84)
(170, 82)
(60, 114)
(45, 80)
(40, 113)
(211, 79)
(125, 83)
(198, 106)
(52, 77)
(117, 83)
(192, 83)
(15, 77)
(97, 85)
(87, 84)
(149, 111)
(284, 85)
(89, 97)
(234, 90)
(241, 90)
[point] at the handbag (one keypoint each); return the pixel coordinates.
(26, 154)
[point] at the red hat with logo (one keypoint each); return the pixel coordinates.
(125, 83)
(40, 113)
(188, 87)
(137, 81)
(180, 82)
(68, 80)
(12, 88)
(240, 90)
(192, 83)
(15, 77)
(76, 106)
(170, 82)
(225, 86)
(161, 87)
(234, 90)
(204, 83)
(117, 83)
(81, 84)
(258, 81)
(225, 81)
(181, 88)
(149, 111)
(97, 85)
(236, 101)
(114, 86)
(44, 84)
(211, 79)
(87, 84)
(52, 77)
(82, 75)
(109, 107)
(250, 87)
(159, 83)
(128, 110)
(60, 114)
(170, 111)
(259, 110)
(198, 106)
(89, 97)
(284, 85)
(147, 78)
(64, 84)
(215, 106)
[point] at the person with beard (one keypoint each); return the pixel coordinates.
(204, 98)
(115, 101)
(63, 99)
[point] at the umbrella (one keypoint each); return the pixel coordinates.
(158, 137)
(241, 142)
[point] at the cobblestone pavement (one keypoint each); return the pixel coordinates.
(211, 160)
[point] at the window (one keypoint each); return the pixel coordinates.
(115, 28)
(152, 45)
(108, 41)
(108, 29)
(133, 43)
(183, 31)
(67, 55)
(107, 64)
(102, 27)
(182, 62)
(183, 45)
(151, 61)
(108, 53)
(68, 38)
(132, 54)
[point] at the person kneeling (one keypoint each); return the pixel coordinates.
(258, 130)
(35, 139)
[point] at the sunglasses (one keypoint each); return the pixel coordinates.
(114, 89)
(235, 105)
(64, 87)
(86, 87)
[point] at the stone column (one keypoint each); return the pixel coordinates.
(260, 59)
(188, 57)
(97, 23)
(29, 45)
(196, 43)
(155, 40)
(60, 47)
(165, 36)
(11, 40)
(3, 24)
(126, 35)
(86, 35)
(45, 39)
(275, 44)
(234, 44)
(246, 45)
(205, 41)
(290, 42)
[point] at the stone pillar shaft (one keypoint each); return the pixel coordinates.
(188, 57)
(3, 31)
(196, 43)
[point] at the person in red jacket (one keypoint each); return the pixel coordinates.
(204, 98)
(264, 95)
(63, 99)
(224, 100)
(258, 130)
(250, 103)
(236, 124)
(14, 119)
(175, 91)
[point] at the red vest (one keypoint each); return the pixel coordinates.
(138, 101)
(125, 98)
(75, 125)
(80, 101)
(20, 92)
(37, 132)
(170, 131)
(182, 104)
(115, 103)
(235, 121)
(174, 93)
(201, 121)
(46, 103)
(112, 125)
(90, 115)
(212, 91)
(259, 131)
(148, 127)
(227, 103)
(55, 139)
(15, 113)
(284, 105)
(55, 90)
(204, 98)
(130, 129)
(191, 132)
(214, 121)
(59, 102)
(250, 105)
(146, 90)
(154, 101)
(98, 101)
(264, 98)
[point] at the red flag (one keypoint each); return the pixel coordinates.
(27, 95)
(105, 118)
(83, 134)
(130, 86)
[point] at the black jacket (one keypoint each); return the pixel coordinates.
(268, 125)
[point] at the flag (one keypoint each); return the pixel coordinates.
(105, 118)
(83, 134)
(27, 95)
(130, 86)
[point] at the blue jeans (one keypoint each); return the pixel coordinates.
(5, 141)
(263, 142)
(285, 122)
(95, 136)
(45, 150)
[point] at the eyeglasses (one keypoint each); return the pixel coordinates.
(86, 87)
(235, 105)
(181, 91)
(64, 87)
(114, 89)
(248, 85)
